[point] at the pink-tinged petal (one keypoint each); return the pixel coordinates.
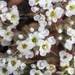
(60, 20)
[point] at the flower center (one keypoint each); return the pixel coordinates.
(24, 46)
(34, 40)
(18, 70)
(46, 4)
(7, 33)
(36, 1)
(13, 63)
(36, 74)
(72, 7)
(41, 18)
(4, 70)
(53, 14)
(41, 64)
(51, 68)
(64, 57)
(44, 47)
(13, 17)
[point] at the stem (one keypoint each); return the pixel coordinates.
(54, 53)
(15, 53)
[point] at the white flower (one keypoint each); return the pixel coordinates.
(36, 17)
(20, 36)
(71, 22)
(70, 31)
(20, 55)
(60, 37)
(39, 18)
(34, 39)
(18, 42)
(54, 14)
(5, 42)
(30, 54)
(43, 23)
(3, 4)
(42, 32)
(13, 64)
(12, 26)
(51, 40)
(2, 62)
(47, 72)
(23, 65)
(70, 8)
(24, 47)
(65, 56)
(4, 71)
(41, 64)
(6, 34)
(32, 29)
(33, 2)
(4, 10)
(18, 72)
(45, 47)
(3, 17)
(68, 44)
(35, 9)
(73, 39)
(60, 30)
(51, 68)
(46, 4)
(33, 66)
(13, 16)
(71, 70)
(63, 63)
(9, 51)
(35, 72)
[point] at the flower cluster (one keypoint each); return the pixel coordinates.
(9, 19)
(42, 68)
(47, 13)
(71, 41)
(36, 39)
(67, 62)
(36, 49)
(59, 14)
(11, 65)
(8, 16)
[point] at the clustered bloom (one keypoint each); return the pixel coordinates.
(42, 65)
(65, 62)
(13, 15)
(70, 41)
(70, 8)
(51, 14)
(10, 17)
(9, 14)
(54, 14)
(31, 50)
(11, 65)
(27, 46)
(6, 34)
